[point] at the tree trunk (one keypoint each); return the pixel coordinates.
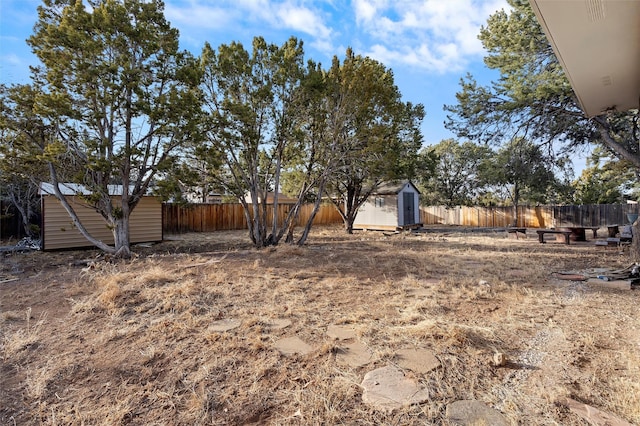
(312, 216)
(247, 217)
(74, 217)
(25, 214)
(350, 210)
(307, 226)
(291, 223)
(256, 228)
(349, 223)
(121, 239)
(347, 217)
(516, 201)
(634, 251)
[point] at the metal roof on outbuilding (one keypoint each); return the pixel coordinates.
(71, 189)
(391, 188)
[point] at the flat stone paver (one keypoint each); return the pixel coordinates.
(278, 323)
(354, 355)
(419, 292)
(341, 332)
(387, 389)
(293, 345)
(224, 325)
(592, 415)
(472, 412)
(419, 361)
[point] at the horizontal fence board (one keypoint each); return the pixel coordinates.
(178, 219)
(216, 217)
(529, 216)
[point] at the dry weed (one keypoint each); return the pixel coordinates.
(142, 347)
(625, 397)
(22, 338)
(10, 316)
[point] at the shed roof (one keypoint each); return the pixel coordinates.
(392, 188)
(71, 189)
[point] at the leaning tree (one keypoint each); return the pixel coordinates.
(533, 99)
(120, 99)
(252, 125)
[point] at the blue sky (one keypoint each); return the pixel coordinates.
(429, 44)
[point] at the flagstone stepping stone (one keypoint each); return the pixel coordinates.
(419, 361)
(293, 345)
(224, 325)
(592, 415)
(471, 412)
(419, 292)
(387, 389)
(341, 332)
(354, 355)
(278, 323)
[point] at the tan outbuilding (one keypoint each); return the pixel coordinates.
(58, 231)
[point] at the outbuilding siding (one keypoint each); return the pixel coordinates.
(379, 211)
(385, 210)
(58, 232)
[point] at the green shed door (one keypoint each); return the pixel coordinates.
(409, 208)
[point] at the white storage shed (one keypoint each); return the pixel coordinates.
(393, 206)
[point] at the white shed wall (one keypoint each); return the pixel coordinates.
(384, 215)
(387, 211)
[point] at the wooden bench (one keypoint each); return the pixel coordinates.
(541, 233)
(516, 231)
(609, 242)
(579, 232)
(594, 229)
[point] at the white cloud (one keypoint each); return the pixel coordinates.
(366, 10)
(255, 16)
(432, 34)
(252, 9)
(11, 59)
(196, 15)
(421, 56)
(6, 39)
(304, 20)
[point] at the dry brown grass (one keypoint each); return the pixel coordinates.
(137, 342)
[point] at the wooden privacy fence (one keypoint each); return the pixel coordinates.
(218, 217)
(530, 216)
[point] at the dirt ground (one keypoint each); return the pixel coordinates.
(187, 333)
